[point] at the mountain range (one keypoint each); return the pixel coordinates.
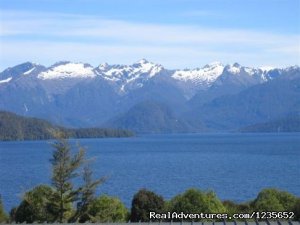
(148, 98)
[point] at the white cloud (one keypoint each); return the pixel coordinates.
(90, 38)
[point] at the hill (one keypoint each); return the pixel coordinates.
(257, 104)
(151, 116)
(289, 123)
(15, 127)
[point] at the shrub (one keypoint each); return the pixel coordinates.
(3, 216)
(232, 207)
(296, 209)
(145, 202)
(107, 209)
(34, 207)
(196, 201)
(274, 200)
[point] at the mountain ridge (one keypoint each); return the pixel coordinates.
(80, 95)
(132, 76)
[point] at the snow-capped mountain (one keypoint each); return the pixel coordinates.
(78, 94)
(128, 73)
(17, 72)
(126, 77)
(204, 76)
(236, 74)
(63, 70)
(191, 81)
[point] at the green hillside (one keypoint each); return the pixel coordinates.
(15, 127)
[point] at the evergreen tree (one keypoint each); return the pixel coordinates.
(64, 169)
(87, 196)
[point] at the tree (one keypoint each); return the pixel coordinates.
(233, 207)
(108, 209)
(64, 169)
(87, 196)
(196, 201)
(145, 202)
(296, 209)
(34, 206)
(3, 216)
(274, 200)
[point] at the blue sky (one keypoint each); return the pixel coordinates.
(175, 33)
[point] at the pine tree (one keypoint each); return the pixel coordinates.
(64, 169)
(87, 195)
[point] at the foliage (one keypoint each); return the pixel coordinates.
(3, 216)
(274, 200)
(296, 209)
(14, 127)
(87, 196)
(64, 169)
(196, 201)
(35, 206)
(97, 133)
(107, 209)
(55, 204)
(232, 207)
(145, 202)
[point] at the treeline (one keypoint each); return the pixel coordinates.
(36, 206)
(290, 123)
(96, 132)
(14, 127)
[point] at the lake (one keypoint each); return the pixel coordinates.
(236, 166)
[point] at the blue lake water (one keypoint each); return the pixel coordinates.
(235, 166)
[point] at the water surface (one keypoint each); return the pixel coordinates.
(235, 166)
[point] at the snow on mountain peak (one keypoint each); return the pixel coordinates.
(205, 75)
(233, 68)
(128, 73)
(6, 80)
(267, 68)
(103, 66)
(144, 66)
(143, 61)
(29, 71)
(63, 70)
(213, 64)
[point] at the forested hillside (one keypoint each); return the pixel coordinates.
(15, 127)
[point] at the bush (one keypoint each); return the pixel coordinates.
(3, 216)
(107, 209)
(232, 207)
(34, 207)
(196, 201)
(145, 202)
(296, 209)
(274, 200)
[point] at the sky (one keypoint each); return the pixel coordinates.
(174, 33)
